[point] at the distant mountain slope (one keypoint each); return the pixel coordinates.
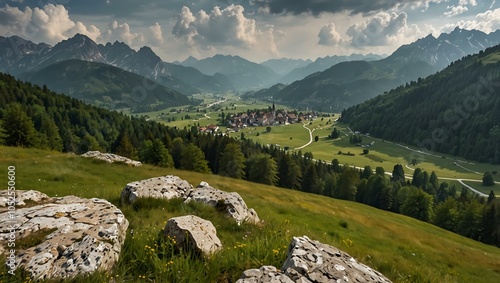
(20, 56)
(145, 62)
(283, 66)
(242, 73)
(104, 85)
(321, 64)
(409, 62)
(456, 111)
(266, 93)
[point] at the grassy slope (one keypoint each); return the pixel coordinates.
(404, 249)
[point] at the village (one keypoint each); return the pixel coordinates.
(259, 118)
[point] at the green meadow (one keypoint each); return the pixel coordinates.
(402, 248)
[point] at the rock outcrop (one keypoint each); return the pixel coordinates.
(231, 202)
(194, 233)
(166, 187)
(312, 261)
(110, 157)
(22, 197)
(75, 235)
(169, 187)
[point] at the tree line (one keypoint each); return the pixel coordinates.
(33, 116)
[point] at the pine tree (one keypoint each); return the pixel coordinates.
(2, 134)
(398, 174)
(262, 169)
(488, 179)
(154, 152)
(310, 180)
(125, 147)
(232, 162)
(89, 143)
(193, 159)
(19, 128)
(176, 151)
(347, 184)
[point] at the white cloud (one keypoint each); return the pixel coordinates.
(156, 37)
(228, 27)
(487, 22)
(122, 32)
(329, 36)
(467, 2)
(455, 10)
(383, 29)
(49, 24)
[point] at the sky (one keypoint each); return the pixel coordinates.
(257, 30)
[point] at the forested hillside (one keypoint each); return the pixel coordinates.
(32, 116)
(456, 111)
(105, 86)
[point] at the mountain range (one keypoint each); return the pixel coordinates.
(105, 86)
(331, 83)
(18, 56)
(348, 83)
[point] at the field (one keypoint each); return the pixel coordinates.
(485, 189)
(382, 153)
(402, 248)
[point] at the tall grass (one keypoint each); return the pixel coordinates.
(402, 248)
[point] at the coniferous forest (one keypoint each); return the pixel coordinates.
(35, 117)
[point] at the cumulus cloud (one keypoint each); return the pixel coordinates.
(329, 36)
(382, 29)
(455, 10)
(224, 27)
(156, 32)
(122, 32)
(467, 2)
(49, 24)
(317, 7)
(487, 22)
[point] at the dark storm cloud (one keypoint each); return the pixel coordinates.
(317, 7)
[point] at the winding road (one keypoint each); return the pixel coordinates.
(310, 137)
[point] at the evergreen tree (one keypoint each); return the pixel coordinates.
(490, 224)
(262, 169)
(2, 134)
(290, 175)
(232, 162)
(19, 128)
(193, 159)
(446, 214)
(347, 184)
(125, 147)
(367, 172)
(154, 152)
(310, 180)
(418, 178)
(469, 224)
(176, 151)
(398, 174)
(89, 143)
(488, 179)
(418, 205)
(336, 165)
(380, 171)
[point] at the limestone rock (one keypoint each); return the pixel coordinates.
(195, 232)
(21, 197)
(110, 157)
(166, 187)
(78, 236)
(312, 261)
(232, 202)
